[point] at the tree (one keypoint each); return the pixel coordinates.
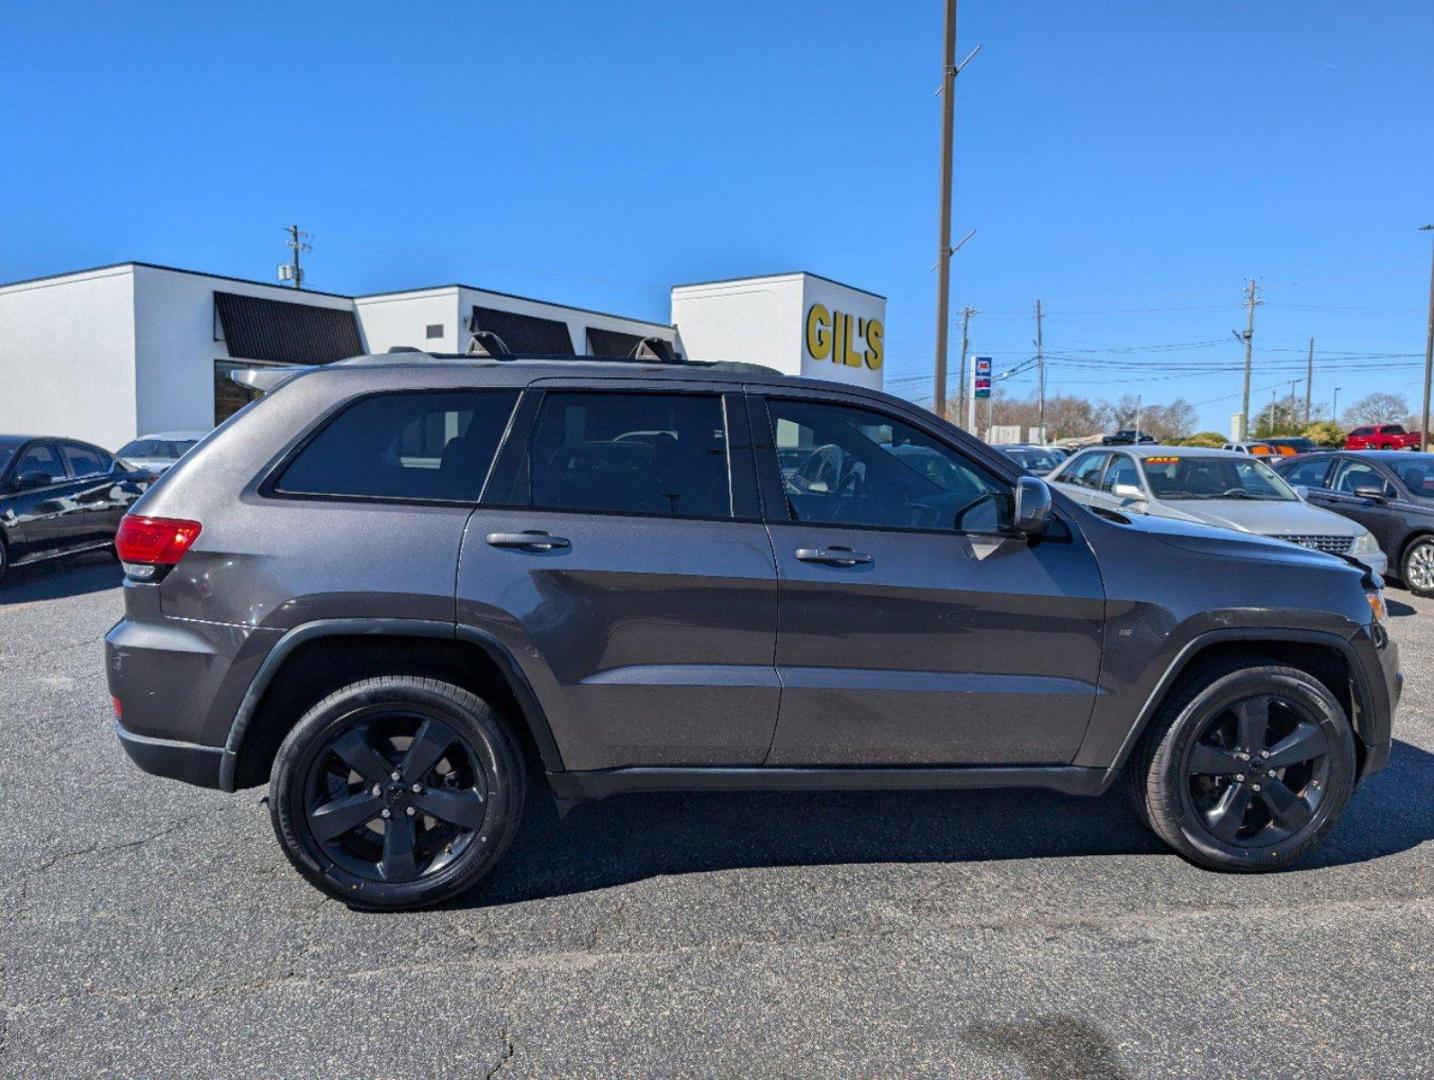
(1211, 439)
(1282, 417)
(1377, 408)
(1325, 433)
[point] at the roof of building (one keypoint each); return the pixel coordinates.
(768, 277)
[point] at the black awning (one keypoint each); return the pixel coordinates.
(611, 342)
(256, 328)
(524, 333)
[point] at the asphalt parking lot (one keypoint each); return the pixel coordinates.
(153, 929)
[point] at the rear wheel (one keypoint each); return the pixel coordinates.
(1247, 770)
(396, 792)
(1416, 569)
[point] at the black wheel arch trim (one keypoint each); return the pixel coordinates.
(533, 715)
(1366, 724)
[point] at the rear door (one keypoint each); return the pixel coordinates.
(620, 556)
(101, 499)
(915, 627)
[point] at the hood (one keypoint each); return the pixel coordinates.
(1265, 518)
(1224, 541)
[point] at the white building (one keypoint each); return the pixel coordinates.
(106, 354)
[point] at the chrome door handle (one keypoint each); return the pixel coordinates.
(833, 556)
(528, 541)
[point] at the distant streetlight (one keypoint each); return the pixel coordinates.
(1335, 407)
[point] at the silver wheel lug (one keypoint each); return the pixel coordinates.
(387, 812)
(1271, 773)
(410, 811)
(395, 775)
(416, 788)
(1240, 777)
(377, 791)
(1255, 786)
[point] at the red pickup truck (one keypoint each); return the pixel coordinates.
(1381, 437)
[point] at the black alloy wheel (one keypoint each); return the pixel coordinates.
(1246, 768)
(1258, 771)
(396, 796)
(397, 792)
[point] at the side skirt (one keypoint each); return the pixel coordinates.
(572, 787)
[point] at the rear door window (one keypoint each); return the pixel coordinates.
(1310, 474)
(85, 460)
(629, 453)
(1122, 471)
(1084, 471)
(420, 445)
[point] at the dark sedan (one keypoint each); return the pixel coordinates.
(1126, 437)
(1389, 492)
(59, 497)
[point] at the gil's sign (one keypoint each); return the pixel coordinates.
(844, 338)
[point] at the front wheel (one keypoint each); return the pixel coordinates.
(396, 792)
(1416, 569)
(1247, 771)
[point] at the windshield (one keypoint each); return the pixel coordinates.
(1038, 461)
(1175, 478)
(168, 449)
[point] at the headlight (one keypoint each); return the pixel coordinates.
(1366, 544)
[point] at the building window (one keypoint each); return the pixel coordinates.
(434, 330)
(229, 396)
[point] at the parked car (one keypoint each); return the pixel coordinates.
(155, 453)
(627, 576)
(1126, 437)
(1218, 487)
(1266, 448)
(1381, 437)
(1036, 460)
(59, 497)
(1389, 492)
(1289, 445)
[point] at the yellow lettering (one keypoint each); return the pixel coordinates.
(874, 331)
(850, 356)
(819, 338)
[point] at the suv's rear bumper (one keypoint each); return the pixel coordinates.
(190, 762)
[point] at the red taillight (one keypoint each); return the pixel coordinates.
(118, 708)
(152, 541)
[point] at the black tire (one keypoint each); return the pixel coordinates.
(433, 831)
(4, 558)
(1416, 568)
(1215, 800)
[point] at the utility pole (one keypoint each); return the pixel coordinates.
(943, 265)
(963, 389)
(1252, 300)
(1428, 354)
(297, 243)
(1040, 373)
(1309, 383)
(947, 90)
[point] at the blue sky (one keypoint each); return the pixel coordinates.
(1129, 163)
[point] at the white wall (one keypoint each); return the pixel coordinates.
(175, 346)
(404, 318)
(755, 320)
(764, 320)
(67, 357)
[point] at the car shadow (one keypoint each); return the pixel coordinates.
(72, 576)
(629, 838)
(1397, 609)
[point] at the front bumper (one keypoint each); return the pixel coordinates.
(1375, 561)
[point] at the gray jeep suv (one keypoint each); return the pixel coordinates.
(406, 590)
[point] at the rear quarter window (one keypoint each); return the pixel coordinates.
(420, 445)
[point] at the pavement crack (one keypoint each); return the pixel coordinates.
(100, 849)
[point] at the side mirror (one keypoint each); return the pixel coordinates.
(1033, 506)
(1371, 491)
(1128, 491)
(1302, 491)
(33, 479)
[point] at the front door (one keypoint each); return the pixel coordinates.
(619, 555)
(47, 515)
(1377, 514)
(915, 627)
